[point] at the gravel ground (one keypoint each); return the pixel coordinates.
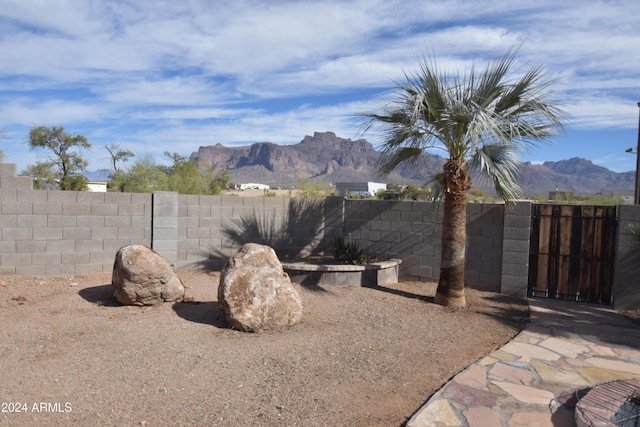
(71, 354)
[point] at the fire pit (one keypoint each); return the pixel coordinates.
(610, 404)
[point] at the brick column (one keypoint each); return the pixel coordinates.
(626, 276)
(515, 249)
(164, 229)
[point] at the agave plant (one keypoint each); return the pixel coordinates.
(347, 252)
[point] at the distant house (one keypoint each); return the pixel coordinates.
(252, 186)
(362, 189)
(97, 186)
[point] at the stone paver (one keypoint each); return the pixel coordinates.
(437, 413)
(563, 375)
(530, 351)
(474, 376)
(534, 379)
(564, 347)
(537, 419)
(502, 371)
(470, 396)
(526, 394)
(614, 365)
(480, 417)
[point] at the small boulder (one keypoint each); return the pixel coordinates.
(255, 293)
(142, 277)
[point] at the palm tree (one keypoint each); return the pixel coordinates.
(483, 121)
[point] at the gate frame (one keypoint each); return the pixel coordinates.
(576, 257)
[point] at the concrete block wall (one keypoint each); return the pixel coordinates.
(397, 229)
(8, 178)
(164, 223)
(58, 233)
(212, 228)
(412, 231)
(333, 222)
(65, 233)
(485, 237)
(515, 249)
(626, 277)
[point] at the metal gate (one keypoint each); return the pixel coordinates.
(572, 252)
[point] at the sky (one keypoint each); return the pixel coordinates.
(171, 76)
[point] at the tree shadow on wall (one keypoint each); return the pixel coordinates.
(296, 234)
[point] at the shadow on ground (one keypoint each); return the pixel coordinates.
(596, 322)
(100, 295)
(207, 313)
(401, 293)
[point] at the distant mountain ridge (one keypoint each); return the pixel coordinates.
(328, 158)
(321, 157)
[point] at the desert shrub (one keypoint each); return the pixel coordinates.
(347, 252)
(308, 189)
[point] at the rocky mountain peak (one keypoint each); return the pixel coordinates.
(328, 158)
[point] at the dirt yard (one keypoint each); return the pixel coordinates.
(71, 355)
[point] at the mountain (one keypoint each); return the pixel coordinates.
(576, 174)
(325, 157)
(322, 157)
(98, 175)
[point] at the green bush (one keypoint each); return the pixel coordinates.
(308, 189)
(347, 252)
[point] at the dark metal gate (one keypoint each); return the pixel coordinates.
(572, 252)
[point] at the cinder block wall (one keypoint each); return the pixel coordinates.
(515, 249)
(412, 232)
(485, 246)
(212, 228)
(397, 229)
(65, 233)
(626, 276)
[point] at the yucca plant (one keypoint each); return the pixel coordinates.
(347, 252)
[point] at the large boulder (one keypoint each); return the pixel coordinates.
(142, 277)
(255, 293)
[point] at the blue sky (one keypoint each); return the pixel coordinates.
(176, 75)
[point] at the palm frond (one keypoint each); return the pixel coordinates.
(500, 165)
(436, 185)
(388, 163)
(482, 116)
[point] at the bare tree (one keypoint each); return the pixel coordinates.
(118, 155)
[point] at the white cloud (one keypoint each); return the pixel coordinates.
(172, 75)
(28, 112)
(164, 91)
(598, 110)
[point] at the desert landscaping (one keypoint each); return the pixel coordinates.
(72, 354)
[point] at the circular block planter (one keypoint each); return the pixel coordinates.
(317, 274)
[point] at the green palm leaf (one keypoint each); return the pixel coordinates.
(483, 121)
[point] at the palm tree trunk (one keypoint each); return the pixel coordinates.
(450, 290)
